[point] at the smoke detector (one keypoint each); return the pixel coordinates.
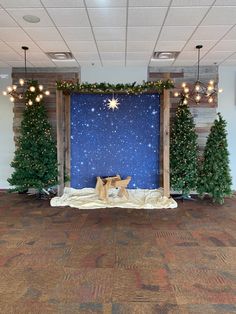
(60, 56)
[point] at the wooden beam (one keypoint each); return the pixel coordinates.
(166, 142)
(67, 138)
(60, 141)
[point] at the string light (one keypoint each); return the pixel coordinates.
(14, 92)
(200, 91)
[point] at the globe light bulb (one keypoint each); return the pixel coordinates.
(40, 87)
(197, 88)
(176, 94)
(210, 100)
(209, 88)
(183, 85)
(21, 82)
(32, 88)
(47, 92)
(37, 99)
(41, 96)
(211, 82)
(4, 93)
(220, 90)
(186, 89)
(30, 102)
(198, 98)
(9, 89)
(12, 98)
(185, 101)
(14, 87)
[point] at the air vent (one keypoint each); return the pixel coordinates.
(60, 56)
(165, 55)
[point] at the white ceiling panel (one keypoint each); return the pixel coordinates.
(113, 55)
(207, 45)
(188, 55)
(143, 33)
(10, 55)
(36, 56)
(82, 46)
(228, 62)
(231, 35)
(109, 33)
(149, 3)
(43, 33)
(216, 57)
(140, 46)
(221, 16)
(176, 33)
(63, 3)
(119, 63)
(21, 3)
(13, 34)
(6, 20)
(136, 62)
(76, 33)
(18, 14)
(138, 56)
(111, 46)
(191, 3)
(17, 46)
(226, 45)
(185, 16)
(45, 64)
(210, 32)
(169, 45)
(105, 3)
(53, 46)
(20, 64)
(146, 16)
(107, 17)
(69, 17)
(88, 57)
(225, 2)
(66, 64)
(3, 46)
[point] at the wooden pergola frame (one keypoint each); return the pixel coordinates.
(63, 139)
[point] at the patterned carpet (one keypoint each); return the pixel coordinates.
(119, 261)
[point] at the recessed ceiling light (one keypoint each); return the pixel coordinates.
(31, 18)
(165, 55)
(60, 56)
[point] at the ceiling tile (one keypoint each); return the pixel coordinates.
(136, 62)
(207, 44)
(226, 45)
(13, 34)
(69, 17)
(225, 2)
(109, 33)
(53, 46)
(43, 64)
(36, 56)
(107, 17)
(63, 3)
(231, 35)
(17, 45)
(210, 32)
(111, 46)
(229, 62)
(140, 46)
(146, 16)
(89, 64)
(216, 56)
(10, 55)
(18, 14)
(66, 64)
(143, 33)
(6, 20)
(190, 3)
(82, 46)
(149, 3)
(169, 45)
(119, 63)
(185, 16)
(113, 55)
(3, 47)
(106, 3)
(87, 56)
(138, 56)
(188, 55)
(176, 33)
(220, 16)
(21, 3)
(43, 33)
(76, 33)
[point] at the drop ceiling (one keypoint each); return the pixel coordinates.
(118, 32)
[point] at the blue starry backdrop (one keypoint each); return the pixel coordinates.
(124, 141)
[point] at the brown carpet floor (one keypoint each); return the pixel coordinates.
(63, 260)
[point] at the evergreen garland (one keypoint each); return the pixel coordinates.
(35, 160)
(214, 177)
(183, 151)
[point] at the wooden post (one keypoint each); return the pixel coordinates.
(67, 138)
(166, 142)
(60, 141)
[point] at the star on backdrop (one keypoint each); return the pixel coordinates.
(113, 103)
(106, 142)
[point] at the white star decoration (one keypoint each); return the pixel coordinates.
(113, 103)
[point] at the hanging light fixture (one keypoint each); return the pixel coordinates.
(200, 92)
(28, 90)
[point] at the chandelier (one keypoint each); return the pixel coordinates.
(28, 90)
(199, 92)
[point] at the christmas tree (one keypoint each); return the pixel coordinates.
(35, 160)
(183, 151)
(215, 176)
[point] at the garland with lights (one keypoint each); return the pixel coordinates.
(69, 87)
